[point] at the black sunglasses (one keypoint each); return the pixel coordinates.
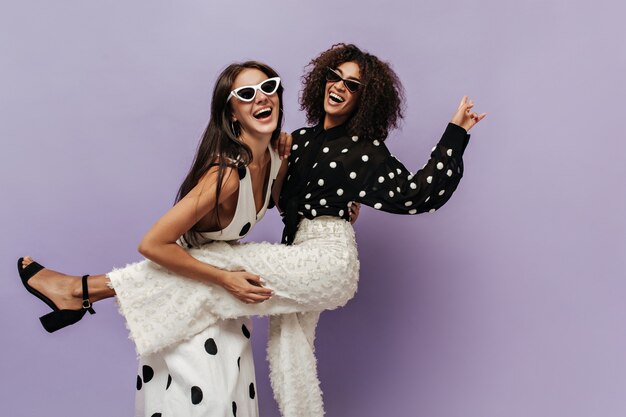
(334, 77)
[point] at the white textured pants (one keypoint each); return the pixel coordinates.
(318, 272)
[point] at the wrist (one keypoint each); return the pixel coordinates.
(221, 277)
(455, 137)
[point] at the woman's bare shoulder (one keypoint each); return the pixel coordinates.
(209, 180)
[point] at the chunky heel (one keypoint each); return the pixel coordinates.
(57, 319)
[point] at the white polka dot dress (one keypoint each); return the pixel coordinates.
(212, 373)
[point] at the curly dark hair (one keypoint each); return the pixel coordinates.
(381, 104)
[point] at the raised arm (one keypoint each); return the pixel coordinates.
(393, 188)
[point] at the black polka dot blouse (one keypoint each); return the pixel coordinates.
(330, 168)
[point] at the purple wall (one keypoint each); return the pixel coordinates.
(507, 302)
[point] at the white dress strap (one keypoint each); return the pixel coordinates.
(246, 216)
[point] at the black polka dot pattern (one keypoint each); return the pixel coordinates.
(210, 346)
(245, 229)
(234, 409)
(169, 382)
(242, 172)
(239, 363)
(148, 373)
(338, 168)
(139, 383)
(251, 391)
(156, 415)
(245, 331)
(196, 395)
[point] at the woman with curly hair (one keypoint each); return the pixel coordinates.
(353, 99)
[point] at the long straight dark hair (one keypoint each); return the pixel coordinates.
(220, 144)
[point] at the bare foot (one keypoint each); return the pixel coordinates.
(65, 291)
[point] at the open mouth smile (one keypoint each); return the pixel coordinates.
(263, 113)
(336, 98)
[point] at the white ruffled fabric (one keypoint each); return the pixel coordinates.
(318, 272)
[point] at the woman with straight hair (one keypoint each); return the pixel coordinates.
(226, 191)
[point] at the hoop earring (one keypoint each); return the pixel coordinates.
(236, 132)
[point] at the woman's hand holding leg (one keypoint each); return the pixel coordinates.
(246, 287)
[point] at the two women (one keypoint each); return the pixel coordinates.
(353, 99)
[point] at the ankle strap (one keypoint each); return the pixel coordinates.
(86, 303)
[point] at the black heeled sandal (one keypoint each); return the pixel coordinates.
(57, 319)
